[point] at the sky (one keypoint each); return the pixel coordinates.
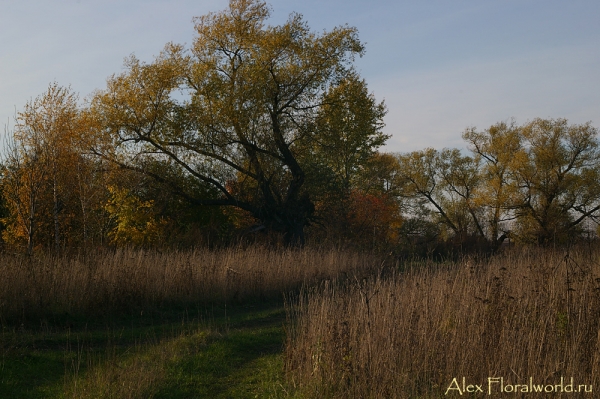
(441, 66)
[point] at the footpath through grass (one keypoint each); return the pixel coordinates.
(232, 352)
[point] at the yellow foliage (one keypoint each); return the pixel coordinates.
(136, 222)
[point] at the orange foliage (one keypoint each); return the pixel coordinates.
(373, 220)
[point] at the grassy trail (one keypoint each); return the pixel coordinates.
(221, 353)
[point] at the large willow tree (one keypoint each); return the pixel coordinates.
(236, 112)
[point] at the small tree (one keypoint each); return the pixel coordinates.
(444, 185)
(50, 184)
(23, 180)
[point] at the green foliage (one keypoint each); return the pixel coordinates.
(349, 130)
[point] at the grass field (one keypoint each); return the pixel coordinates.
(141, 324)
(256, 323)
(216, 353)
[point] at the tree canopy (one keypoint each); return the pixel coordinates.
(239, 110)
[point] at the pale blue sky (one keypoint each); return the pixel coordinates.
(441, 66)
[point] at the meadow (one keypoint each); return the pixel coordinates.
(256, 322)
(510, 325)
(141, 324)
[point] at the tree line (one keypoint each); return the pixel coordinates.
(536, 183)
(268, 132)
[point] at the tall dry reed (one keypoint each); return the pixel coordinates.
(530, 318)
(108, 281)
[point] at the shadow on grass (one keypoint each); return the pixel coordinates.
(32, 374)
(241, 352)
(240, 362)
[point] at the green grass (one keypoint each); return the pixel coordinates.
(233, 352)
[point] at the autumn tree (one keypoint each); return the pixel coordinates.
(537, 182)
(49, 181)
(54, 117)
(367, 212)
(496, 148)
(349, 126)
(23, 178)
(373, 221)
(444, 185)
(41, 140)
(378, 180)
(251, 96)
(557, 177)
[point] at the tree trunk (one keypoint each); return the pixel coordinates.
(294, 235)
(31, 226)
(298, 216)
(55, 211)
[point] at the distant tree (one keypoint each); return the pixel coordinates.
(537, 183)
(496, 148)
(444, 185)
(367, 212)
(374, 221)
(557, 177)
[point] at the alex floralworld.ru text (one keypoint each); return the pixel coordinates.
(498, 385)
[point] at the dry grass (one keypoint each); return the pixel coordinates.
(518, 316)
(104, 282)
